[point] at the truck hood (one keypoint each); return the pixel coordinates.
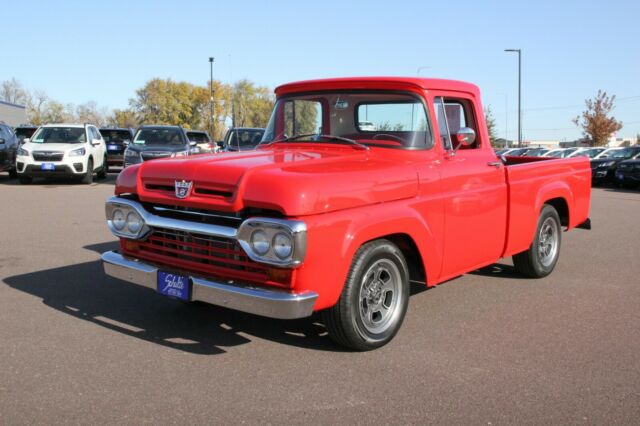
(295, 181)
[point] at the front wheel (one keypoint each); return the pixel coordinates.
(541, 257)
(88, 177)
(374, 299)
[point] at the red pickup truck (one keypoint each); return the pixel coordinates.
(360, 187)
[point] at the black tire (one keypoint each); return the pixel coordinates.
(102, 174)
(13, 173)
(541, 257)
(25, 180)
(366, 290)
(87, 179)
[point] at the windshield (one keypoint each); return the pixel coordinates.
(245, 137)
(198, 137)
(24, 132)
(589, 152)
(115, 135)
(624, 153)
(376, 118)
(159, 136)
(59, 135)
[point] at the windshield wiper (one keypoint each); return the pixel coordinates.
(319, 136)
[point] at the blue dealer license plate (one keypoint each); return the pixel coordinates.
(47, 166)
(174, 285)
(113, 147)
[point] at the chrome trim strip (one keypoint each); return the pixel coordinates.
(241, 297)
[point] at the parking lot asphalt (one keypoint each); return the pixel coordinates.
(486, 348)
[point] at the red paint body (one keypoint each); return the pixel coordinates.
(460, 213)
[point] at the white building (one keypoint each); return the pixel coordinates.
(13, 114)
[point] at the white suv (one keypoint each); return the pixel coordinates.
(63, 150)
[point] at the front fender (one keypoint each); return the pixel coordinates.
(334, 238)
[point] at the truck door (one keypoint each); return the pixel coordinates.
(473, 188)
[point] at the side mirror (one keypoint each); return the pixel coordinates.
(26, 140)
(1, 141)
(220, 144)
(95, 142)
(126, 142)
(193, 143)
(465, 136)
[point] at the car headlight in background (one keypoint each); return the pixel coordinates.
(77, 152)
(124, 220)
(131, 154)
(277, 242)
(180, 154)
(22, 152)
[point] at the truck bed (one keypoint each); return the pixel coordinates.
(531, 181)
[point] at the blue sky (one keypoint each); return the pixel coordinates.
(104, 51)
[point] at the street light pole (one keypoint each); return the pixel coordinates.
(212, 127)
(519, 93)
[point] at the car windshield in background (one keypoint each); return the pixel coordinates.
(377, 118)
(624, 153)
(22, 133)
(159, 137)
(115, 135)
(198, 137)
(245, 137)
(59, 135)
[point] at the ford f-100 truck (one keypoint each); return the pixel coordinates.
(359, 187)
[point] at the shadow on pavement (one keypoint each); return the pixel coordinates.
(498, 270)
(85, 292)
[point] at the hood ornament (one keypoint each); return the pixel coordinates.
(183, 188)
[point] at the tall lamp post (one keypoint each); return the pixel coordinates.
(212, 127)
(519, 93)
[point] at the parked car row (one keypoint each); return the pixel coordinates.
(619, 166)
(79, 151)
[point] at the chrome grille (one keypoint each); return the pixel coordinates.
(48, 155)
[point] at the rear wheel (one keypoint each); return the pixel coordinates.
(374, 299)
(541, 257)
(88, 177)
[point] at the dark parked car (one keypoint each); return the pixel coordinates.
(8, 147)
(242, 138)
(117, 140)
(202, 140)
(628, 172)
(603, 170)
(151, 142)
(25, 131)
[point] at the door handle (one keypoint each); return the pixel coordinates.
(496, 164)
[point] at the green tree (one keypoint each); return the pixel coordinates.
(491, 125)
(596, 123)
(123, 118)
(252, 104)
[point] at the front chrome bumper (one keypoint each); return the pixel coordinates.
(241, 297)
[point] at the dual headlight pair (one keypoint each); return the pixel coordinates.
(125, 221)
(275, 241)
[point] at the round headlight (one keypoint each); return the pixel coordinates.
(134, 222)
(282, 245)
(260, 242)
(117, 219)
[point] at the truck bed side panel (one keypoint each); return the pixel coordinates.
(532, 184)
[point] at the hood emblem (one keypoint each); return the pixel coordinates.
(183, 188)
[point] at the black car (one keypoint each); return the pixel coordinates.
(242, 138)
(8, 148)
(603, 170)
(151, 142)
(628, 172)
(25, 131)
(117, 139)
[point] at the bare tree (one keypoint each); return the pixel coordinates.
(595, 121)
(12, 91)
